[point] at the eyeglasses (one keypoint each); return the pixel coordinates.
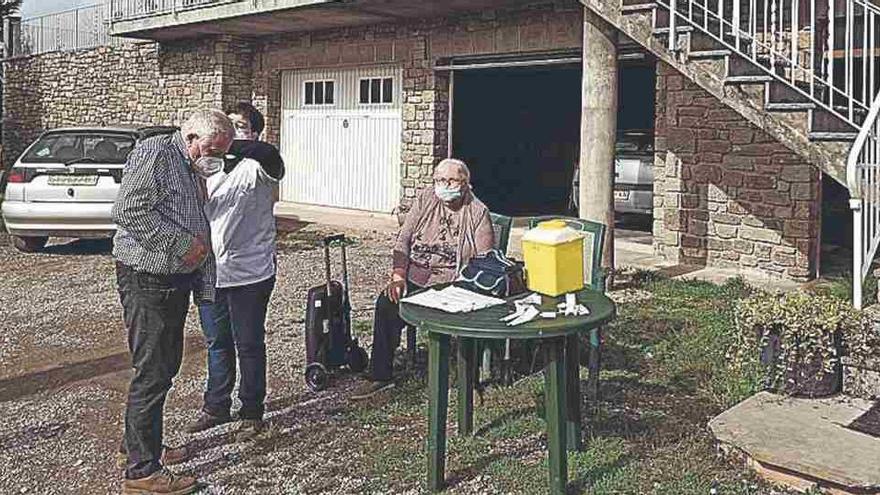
(448, 182)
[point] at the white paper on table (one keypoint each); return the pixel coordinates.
(453, 299)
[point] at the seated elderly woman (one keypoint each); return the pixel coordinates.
(446, 227)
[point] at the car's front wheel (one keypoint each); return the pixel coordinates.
(29, 244)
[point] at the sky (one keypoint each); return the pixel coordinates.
(31, 8)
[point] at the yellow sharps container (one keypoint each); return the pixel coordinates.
(554, 257)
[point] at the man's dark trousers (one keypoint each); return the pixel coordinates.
(154, 309)
(236, 323)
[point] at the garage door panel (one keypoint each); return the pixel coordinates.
(344, 155)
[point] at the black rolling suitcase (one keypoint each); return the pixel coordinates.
(329, 342)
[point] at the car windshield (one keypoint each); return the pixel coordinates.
(89, 147)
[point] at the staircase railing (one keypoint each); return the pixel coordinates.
(863, 179)
(826, 50)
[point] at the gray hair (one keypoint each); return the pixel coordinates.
(207, 123)
(459, 164)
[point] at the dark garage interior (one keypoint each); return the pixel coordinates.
(519, 130)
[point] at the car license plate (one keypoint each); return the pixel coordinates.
(621, 195)
(73, 180)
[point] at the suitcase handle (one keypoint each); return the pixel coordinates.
(340, 240)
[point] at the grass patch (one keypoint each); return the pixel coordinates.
(665, 374)
(841, 287)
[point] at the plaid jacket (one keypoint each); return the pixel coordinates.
(160, 210)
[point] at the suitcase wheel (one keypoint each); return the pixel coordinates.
(357, 359)
(316, 377)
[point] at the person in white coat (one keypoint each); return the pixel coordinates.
(239, 209)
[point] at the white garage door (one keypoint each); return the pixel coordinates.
(340, 137)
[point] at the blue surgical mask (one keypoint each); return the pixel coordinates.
(447, 193)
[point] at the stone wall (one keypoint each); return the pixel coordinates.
(138, 83)
(725, 193)
(156, 84)
(417, 47)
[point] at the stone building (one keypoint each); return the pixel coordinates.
(365, 97)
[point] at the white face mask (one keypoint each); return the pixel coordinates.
(245, 134)
(207, 166)
(447, 193)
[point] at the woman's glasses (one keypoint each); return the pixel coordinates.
(448, 182)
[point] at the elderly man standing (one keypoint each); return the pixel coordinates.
(162, 255)
(239, 207)
(446, 227)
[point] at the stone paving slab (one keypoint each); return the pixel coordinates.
(805, 437)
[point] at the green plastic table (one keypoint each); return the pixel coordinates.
(561, 390)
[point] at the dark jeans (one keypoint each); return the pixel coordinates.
(387, 326)
(236, 322)
(154, 310)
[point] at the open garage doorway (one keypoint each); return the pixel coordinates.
(519, 130)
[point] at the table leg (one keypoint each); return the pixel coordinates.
(554, 393)
(466, 362)
(573, 393)
(595, 365)
(438, 400)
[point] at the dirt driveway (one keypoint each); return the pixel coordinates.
(64, 371)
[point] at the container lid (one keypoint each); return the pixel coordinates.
(552, 232)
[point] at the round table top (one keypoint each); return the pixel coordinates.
(485, 324)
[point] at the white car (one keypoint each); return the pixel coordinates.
(634, 173)
(65, 183)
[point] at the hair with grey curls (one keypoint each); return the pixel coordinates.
(455, 162)
(207, 123)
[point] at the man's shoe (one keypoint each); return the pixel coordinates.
(249, 429)
(206, 422)
(170, 456)
(372, 388)
(162, 482)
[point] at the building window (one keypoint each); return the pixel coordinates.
(376, 91)
(319, 93)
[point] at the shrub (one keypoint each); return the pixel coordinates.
(799, 338)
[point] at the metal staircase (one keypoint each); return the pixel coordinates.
(807, 72)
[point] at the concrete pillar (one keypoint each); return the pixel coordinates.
(11, 36)
(598, 127)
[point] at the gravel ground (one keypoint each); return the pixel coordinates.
(64, 374)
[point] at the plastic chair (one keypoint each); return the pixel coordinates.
(501, 226)
(594, 275)
(594, 278)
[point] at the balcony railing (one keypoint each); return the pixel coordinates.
(126, 10)
(84, 27)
